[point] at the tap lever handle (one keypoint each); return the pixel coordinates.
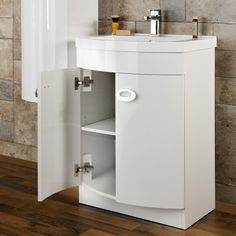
(155, 12)
(147, 18)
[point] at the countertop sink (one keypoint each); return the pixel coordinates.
(141, 53)
(146, 43)
(145, 38)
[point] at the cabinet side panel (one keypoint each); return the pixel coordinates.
(58, 132)
(200, 134)
(150, 141)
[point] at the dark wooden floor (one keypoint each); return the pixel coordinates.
(21, 214)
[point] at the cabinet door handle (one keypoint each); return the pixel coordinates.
(126, 95)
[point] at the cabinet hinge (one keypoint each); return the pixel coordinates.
(86, 168)
(85, 82)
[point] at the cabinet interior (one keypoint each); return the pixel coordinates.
(98, 132)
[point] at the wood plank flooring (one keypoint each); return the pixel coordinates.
(61, 215)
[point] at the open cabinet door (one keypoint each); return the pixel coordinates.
(59, 132)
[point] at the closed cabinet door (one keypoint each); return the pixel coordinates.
(58, 132)
(150, 140)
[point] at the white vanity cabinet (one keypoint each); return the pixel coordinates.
(137, 134)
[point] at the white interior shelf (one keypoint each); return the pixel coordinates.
(104, 184)
(102, 127)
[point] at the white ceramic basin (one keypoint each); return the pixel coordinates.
(146, 43)
(145, 38)
(140, 53)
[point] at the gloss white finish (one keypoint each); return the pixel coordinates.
(171, 217)
(126, 95)
(82, 21)
(146, 43)
(30, 29)
(49, 30)
(53, 35)
(102, 127)
(134, 54)
(44, 41)
(139, 176)
(104, 185)
(199, 135)
(150, 142)
(59, 132)
(101, 149)
(131, 62)
(159, 164)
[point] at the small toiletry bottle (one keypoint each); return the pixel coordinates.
(195, 27)
(115, 24)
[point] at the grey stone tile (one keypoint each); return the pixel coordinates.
(105, 9)
(142, 27)
(225, 117)
(17, 150)
(6, 90)
(6, 27)
(34, 156)
(225, 63)
(25, 120)
(17, 19)
(225, 193)
(6, 131)
(6, 59)
(226, 144)
(17, 71)
(226, 173)
(226, 35)
(6, 8)
(185, 28)
(104, 27)
(211, 10)
(127, 25)
(6, 110)
(17, 93)
(17, 49)
(226, 91)
(173, 10)
(134, 10)
(17, 8)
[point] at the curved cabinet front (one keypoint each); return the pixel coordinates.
(150, 142)
(58, 132)
(130, 62)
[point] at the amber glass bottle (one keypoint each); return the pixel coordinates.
(115, 24)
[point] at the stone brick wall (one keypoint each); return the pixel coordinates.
(18, 118)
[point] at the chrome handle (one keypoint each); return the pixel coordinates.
(126, 95)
